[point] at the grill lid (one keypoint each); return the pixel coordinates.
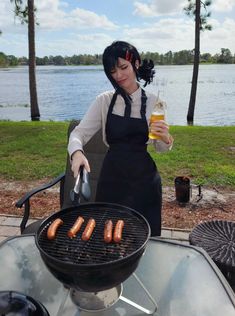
(16, 303)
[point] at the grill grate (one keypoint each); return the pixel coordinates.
(94, 251)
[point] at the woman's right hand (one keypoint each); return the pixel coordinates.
(78, 160)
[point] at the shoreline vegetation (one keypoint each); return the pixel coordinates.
(37, 150)
(183, 57)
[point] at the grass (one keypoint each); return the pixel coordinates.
(36, 150)
(32, 150)
(205, 154)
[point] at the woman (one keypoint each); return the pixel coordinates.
(129, 175)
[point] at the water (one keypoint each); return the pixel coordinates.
(65, 92)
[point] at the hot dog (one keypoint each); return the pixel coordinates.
(51, 232)
(108, 231)
(86, 235)
(76, 227)
(117, 236)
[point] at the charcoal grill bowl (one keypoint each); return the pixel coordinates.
(98, 276)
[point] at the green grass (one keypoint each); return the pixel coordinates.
(205, 154)
(36, 150)
(32, 150)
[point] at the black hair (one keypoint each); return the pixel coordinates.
(129, 52)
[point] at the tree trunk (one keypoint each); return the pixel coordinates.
(192, 100)
(35, 114)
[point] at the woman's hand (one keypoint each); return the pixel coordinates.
(161, 129)
(78, 160)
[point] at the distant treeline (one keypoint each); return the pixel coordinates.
(183, 57)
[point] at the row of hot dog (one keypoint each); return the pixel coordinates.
(111, 232)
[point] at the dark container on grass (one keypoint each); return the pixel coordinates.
(182, 189)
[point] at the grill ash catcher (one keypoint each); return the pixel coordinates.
(93, 271)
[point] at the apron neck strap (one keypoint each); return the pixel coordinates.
(143, 104)
(128, 105)
(114, 98)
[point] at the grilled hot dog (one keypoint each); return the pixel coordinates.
(51, 232)
(76, 227)
(86, 235)
(108, 231)
(117, 236)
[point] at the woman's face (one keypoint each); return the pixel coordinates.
(125, 76)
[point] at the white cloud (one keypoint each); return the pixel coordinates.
(223, 5)
(158, 7)
(78, 44)
(143, 9)
(66, 31)
(6, 14)
(159, 37)
(51, 15)
(221, 35)
(88, 19)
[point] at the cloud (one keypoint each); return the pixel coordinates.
(65, 31)
(158, 8)
(159, 37)
(223, 5)
(51, 15)
(81, 44)
(88, 19)
(6, 14)
(220, 36)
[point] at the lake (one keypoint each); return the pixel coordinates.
(65, 92)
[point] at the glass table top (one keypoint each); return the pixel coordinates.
(181, 279)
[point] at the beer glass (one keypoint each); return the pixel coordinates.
(158, 114)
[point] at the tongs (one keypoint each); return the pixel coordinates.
(81, 187)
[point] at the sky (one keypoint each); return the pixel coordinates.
(73, 27)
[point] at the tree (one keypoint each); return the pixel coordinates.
(225, 57)
(3, 60)
(26, 15)
(194, 9)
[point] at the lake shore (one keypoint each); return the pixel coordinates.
(66, 92)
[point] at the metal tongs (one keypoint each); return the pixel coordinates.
(81, 187)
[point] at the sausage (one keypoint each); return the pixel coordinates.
(88, 230)
(76, 227)
(117, 236)
(108, 231)
(52, 229)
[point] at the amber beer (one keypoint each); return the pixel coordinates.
(156, 116)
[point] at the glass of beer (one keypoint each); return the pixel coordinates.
(158, 114)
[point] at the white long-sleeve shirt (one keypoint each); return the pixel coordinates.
(96, 117)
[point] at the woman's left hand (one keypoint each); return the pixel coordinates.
(161, 129)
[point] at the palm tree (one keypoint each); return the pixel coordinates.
(194, 9)
(26, 15)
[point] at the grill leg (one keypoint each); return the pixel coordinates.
(137, 306)
(64, 298)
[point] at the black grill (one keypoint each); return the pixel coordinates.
(95, 251)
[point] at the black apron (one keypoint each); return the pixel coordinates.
(129, 175)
